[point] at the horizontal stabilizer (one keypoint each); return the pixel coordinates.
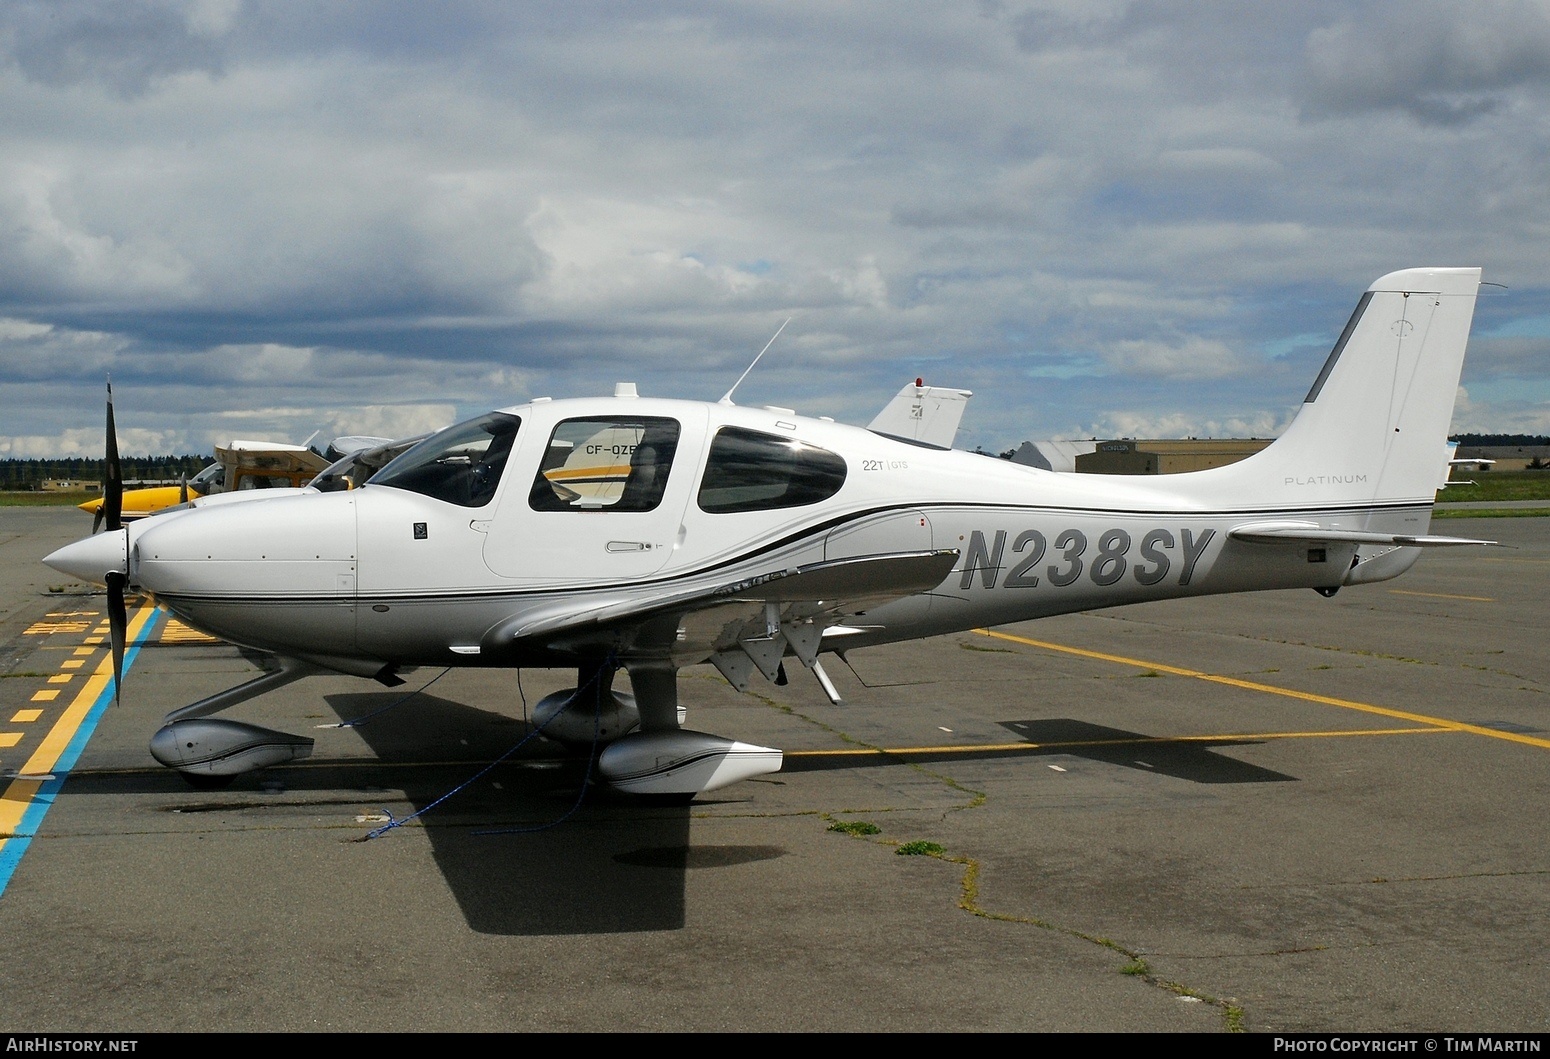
(1271, 532)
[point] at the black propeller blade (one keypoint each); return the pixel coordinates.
(118, 623)
(112, 507)
(111, 512)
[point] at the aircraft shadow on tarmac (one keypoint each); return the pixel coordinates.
(523, 852)
(519, 855)
(1192, 759)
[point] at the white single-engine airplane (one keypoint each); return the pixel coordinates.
(648, 535)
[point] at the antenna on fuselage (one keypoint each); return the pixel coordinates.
(727, 399)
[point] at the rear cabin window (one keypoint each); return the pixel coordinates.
(605, 463)
(751, 471)
(461, 465)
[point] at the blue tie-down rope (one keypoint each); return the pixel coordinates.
(597, 726)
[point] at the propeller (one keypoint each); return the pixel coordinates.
(118, 623)
(111, 511)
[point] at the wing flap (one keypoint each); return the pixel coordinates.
(1275, 532)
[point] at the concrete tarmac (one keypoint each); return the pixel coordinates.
(1268, 812)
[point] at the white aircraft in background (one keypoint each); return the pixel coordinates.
(648, 535)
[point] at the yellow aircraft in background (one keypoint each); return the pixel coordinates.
(238, 466)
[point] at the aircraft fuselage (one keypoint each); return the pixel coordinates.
(385, 575)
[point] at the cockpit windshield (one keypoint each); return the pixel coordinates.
(461, 465)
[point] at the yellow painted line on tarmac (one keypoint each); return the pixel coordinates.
(19, 795)
(47, 755)
(16, 800)
(1440, 595)
(47, 628)
(1270, 689)
(1236, 737)
(176, 632)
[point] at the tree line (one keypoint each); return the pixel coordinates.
(29, 475)
(1499, 440)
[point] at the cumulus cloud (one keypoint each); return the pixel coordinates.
(125, 46)
(1120, 424)
(1184, 358)
(1507, 413)
(33, 350)
(1441, 63)
(1084, 212)
(85, 443)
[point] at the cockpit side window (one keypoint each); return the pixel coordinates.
(461, 465)
(751, 471)
(613, 463)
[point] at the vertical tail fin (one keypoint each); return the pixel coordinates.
(925, 415)
(1373, 429)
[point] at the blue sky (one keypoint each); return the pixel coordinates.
(266, 219)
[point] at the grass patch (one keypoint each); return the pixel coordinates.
(855, 827)
(919, 848)
(42, 499)
(986, 650)
(1491, 512)
(1136, 967)
(1499, 485)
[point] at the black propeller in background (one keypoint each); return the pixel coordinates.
(111, 512)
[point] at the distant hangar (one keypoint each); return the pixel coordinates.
(1137, 456)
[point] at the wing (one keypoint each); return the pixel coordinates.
(751, 621)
